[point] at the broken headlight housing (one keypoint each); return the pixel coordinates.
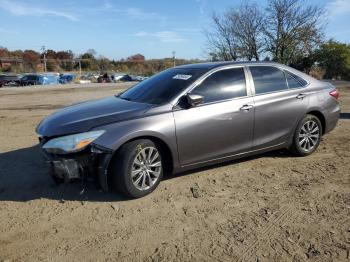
(71, 143)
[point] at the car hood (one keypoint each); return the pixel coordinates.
(84, 116)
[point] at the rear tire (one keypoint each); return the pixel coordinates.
(137, 168)
(307, 136)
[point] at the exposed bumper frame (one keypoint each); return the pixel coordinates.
(92, 162)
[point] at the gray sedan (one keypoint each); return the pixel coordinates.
(188, 117)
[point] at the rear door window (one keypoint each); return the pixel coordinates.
(268, 79)
(222, 85)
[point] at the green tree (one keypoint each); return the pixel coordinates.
(88, 61)
(304, 63)
(334, 57)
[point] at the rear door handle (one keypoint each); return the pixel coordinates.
(301, 96)
(246, 107)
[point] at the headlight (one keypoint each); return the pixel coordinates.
(71, 143)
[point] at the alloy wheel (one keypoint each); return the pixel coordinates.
(309, 135)
(146, 168)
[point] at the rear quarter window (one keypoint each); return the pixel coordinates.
(294, 81)
(268, 79)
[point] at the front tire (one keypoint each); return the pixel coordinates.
(307, 136)
(137, 168)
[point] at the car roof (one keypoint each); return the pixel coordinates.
(212, 65)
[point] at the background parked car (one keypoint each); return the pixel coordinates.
(66, 78)
(37, 79)
(83, 80)
(26, 80)
(6, 80)
(121, 77)
(92, 76)
(139, 78)
(49, 80)
(116, 77)
(105, 78)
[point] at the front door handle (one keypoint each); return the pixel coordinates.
(301, 96)
(246, 107)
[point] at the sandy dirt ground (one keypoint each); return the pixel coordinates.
(271, 207)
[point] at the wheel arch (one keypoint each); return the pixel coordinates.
(166, 152)
(321, 117)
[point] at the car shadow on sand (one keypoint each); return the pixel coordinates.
(24, 177)
(344, 115)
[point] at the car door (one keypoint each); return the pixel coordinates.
(278, 107)
(222, 125)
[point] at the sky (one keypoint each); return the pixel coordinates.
(119, 28)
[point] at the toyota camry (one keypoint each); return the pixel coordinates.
(188, 117)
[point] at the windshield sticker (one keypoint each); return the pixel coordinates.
(182, 77)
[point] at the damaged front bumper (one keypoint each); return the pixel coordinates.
(91, 163)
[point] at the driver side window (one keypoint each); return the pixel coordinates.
(223, 85)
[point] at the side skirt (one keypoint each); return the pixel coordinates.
(231, 157)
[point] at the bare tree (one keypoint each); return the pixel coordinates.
(247, 24)
(238, 33)
(293, 29)
(288, 31)
(221, 41)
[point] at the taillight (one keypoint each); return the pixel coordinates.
(334, 93)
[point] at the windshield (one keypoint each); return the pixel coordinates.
(162, 87)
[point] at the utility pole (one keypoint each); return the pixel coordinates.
(44, 53)
(174, 53)
(79, 67)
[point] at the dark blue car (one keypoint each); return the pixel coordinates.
(66, 78)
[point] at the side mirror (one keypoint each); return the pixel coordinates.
(194, 100)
